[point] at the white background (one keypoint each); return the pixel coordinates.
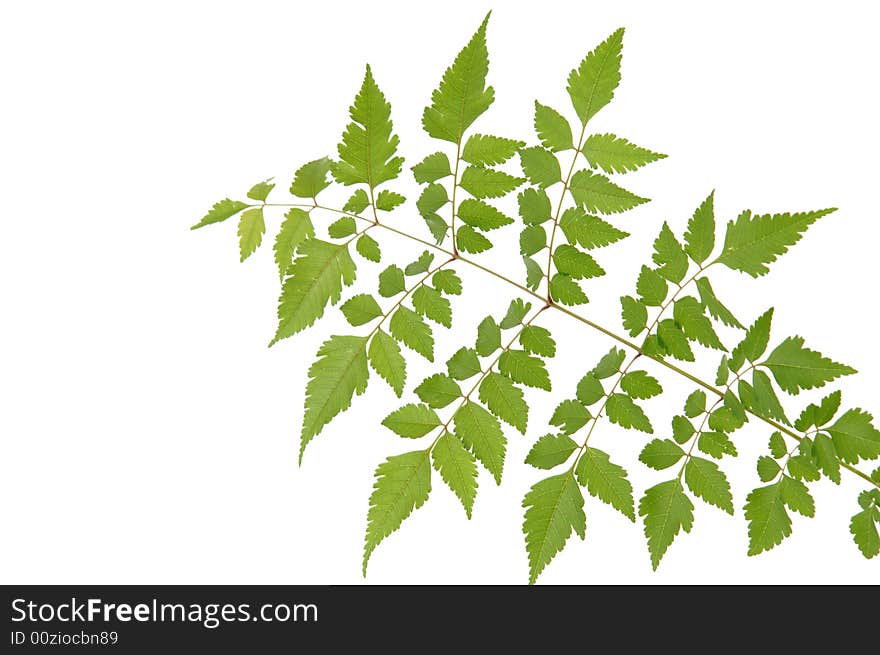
(149, 436)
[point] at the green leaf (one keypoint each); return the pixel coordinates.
(387, 361)
(540, 166)
(606, 481)
(532, 239)
(708, 482)
(796, 367)
(516, 312)
(487, 182)
(432, 168)
(666, 510)
(408, 327)
(863, 527)
(311, 178)
(521, 367)
(723, 371)
(699, 239)
(669, 256)
(624, 412)
(614, 154)
(447, 282)
(222, 210)
(534, 274)
(797, 497)
(550, 451)
(777, 445)
(695, 404)
(479, 214)
(469, 240)
(438, 390)
(368, 147)
(339, 372)
(826, 458)
(534, 206)
(566, 291)
(591, 85)
(402, 485)
(801, 467)
(344, 227)
(768, 468)
(314, 279)
(421, 265)
(766, 397)
(769, 523)
(463, 364)
(295, 229)
(481, 433)
(458, 469)
(682, 429)
(361, 309)
(651, 287)
(488, 337)
(462, 95)
(674, 340)
(538, 341)
(428, 302)
(634, 315)
(484, 150)
(357, 202)
(391, 282)
(716, 444)
(589, 390)
(570, 416)
(388, 200)
(609, 364)
(754, 344)
(688, 313)
(638, 384)
(437, 226)
(588, 231)
(855, 437)
(753, 241)
(261, 190)
(552, 128)
(368, 248)
(576, 264)
(660, 454)
(716, 309)
(412, 421)
(251, 228)
(596, 193)
(432, 198)
(505, 400)
(554, 508)
(827, 408)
